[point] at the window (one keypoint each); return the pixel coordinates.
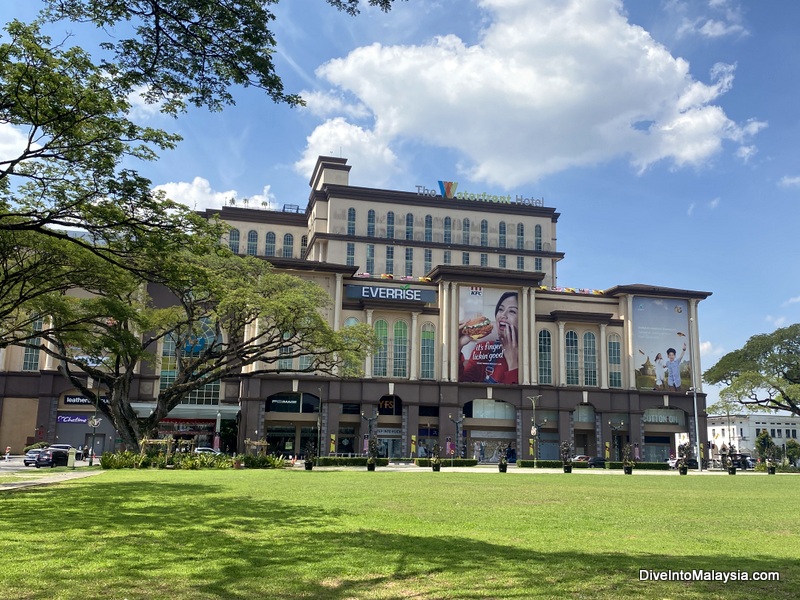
(465, 232)
(447, 258)
(306, 361)
(428, 260)
(288, 245)
(448, 230)
(465, 258)
(409, 262)
(379, 358)
(207, 394)
(370, 258)
(545, 358)
(400, 358)
(537, 237)
(389, 260)
(484, 232)
(589, 359)
(520, 236)
(409, 226)
(351, 254)
(30, 358)
(520, 263)
(284, 358)
(502, 238)
(501, 260)
(351, 221)
(252, 243)
(371, 223)
(571, 347)
(303, 245)
(428, 228)
(615, 361)
(427, 351)
(390, 225)
(484, 259)
(269, 246)
(233, 240)
(537, 264)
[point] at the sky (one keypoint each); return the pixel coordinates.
(663, 132)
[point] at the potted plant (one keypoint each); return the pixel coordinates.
(566, 456)
(770, 466)
(310, 455)
(436, 460)
(372, 453)
(502, 463)
(683, 454)
(627, 459)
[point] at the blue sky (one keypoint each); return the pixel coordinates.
(664, 132)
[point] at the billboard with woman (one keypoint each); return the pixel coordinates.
(488, 335)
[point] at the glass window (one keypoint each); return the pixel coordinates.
(589, 359)
(409, 271)
(207, 394)
(447, 257)
(571, 347)
(427, 351)
(520, 236)
(614, 361)
(409, 226)
(371, 223)
(545, 358)
(303, 245)
(350, 321)
(389, 260)
(428, 228)
(484, 232)
(285, 361)
(537, 237)
(233, 240)
(448, 230)
(501, 260)
(520, 263)
(30, 358)
(351, 221)
(502, 237)
(390, 225)
(465, 258)
(351, 254)
(537, 264)
(428, 260)
(465, 232)
(484, 259)
(380, 356)
(371, 258)
(252, 243)
(400, 359)
(288, 245)
(269, 247)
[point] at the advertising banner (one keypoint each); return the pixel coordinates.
(660, 341)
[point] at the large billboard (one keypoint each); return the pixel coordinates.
(488, 335)
(661, 344)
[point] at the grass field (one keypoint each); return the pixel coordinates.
(341, 535)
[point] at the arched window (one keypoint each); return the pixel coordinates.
(484, 232)
(400, 354)
(520, 236)
(465, 231)
(351, 221)
(589, 359)
(371, 223)
(427, 354)
(537, 237)
(233, 240)
(390, 225)
(448, 230)
(614, 361)
(428, 228)
(380, 356)
(350, 322)
(501, 241)
(571, 347)
(409, 226)
(252, 242)
(288, 245)
(269, 247)
(545, 357)
(303, 245)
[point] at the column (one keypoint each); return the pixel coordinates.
(444, 299)
(524, 334)
(562, 356)
(337, 303)
(452, 328)
(602, 355)
(368, 362)
(414, 343)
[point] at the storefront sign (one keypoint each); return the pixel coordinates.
(73, 419)
(82, 400)
(662, 417)
(374, 292)
(448, 190)
(389, 431)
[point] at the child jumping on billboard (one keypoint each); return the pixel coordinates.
(673, 367)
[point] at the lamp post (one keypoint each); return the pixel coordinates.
(534, 428)
(458, 423)
(370, 421)
(216, 430)
(94, 423)
(319, 425)
(615, 437)
(535, 433)
(694, 395)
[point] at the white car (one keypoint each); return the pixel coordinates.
(206, 450)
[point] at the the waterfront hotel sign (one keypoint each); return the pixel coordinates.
(449, 190)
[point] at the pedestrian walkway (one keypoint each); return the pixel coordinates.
(48, 479)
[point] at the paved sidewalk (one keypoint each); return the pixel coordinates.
(47, 479)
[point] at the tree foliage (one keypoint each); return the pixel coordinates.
(764, 373)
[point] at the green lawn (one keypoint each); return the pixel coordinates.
(291, 534)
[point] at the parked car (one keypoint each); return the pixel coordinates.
(691, 463)
(742, 461)
(52, 457)
(68, 447)
(30, 456)
(206, 450)
(597, 462)
(581, 458)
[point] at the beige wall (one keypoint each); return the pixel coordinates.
(17, 422)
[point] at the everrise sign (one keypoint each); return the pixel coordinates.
(448, 189)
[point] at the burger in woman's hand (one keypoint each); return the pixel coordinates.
(477, 328)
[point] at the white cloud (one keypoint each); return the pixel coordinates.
(12, 142)
(714, 203)
(793, 300)
(708, 349)
(775, 321)
(324, 104)
(198, 195)
(690, 210)
(727, 19)
(141, 109)
(790, 181)
(551, 85)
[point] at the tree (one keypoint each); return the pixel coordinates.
(792, 451)
(764, 373)
(224, 313)
(765, 447)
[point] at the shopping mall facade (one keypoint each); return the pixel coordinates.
(479, 342)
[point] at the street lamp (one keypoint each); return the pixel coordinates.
(319, 425)
(94, 423)
(694, 394)
(216, 430)
(535, 433)
(533, 400)
(369, 420)
(615, 437)
(458, 423)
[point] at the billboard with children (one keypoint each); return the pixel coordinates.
(661, 344)
(488, 335)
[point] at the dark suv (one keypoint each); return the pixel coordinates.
(741, 461)
(597, 462)
(52, 457)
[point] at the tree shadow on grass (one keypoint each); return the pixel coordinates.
(186, 540)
